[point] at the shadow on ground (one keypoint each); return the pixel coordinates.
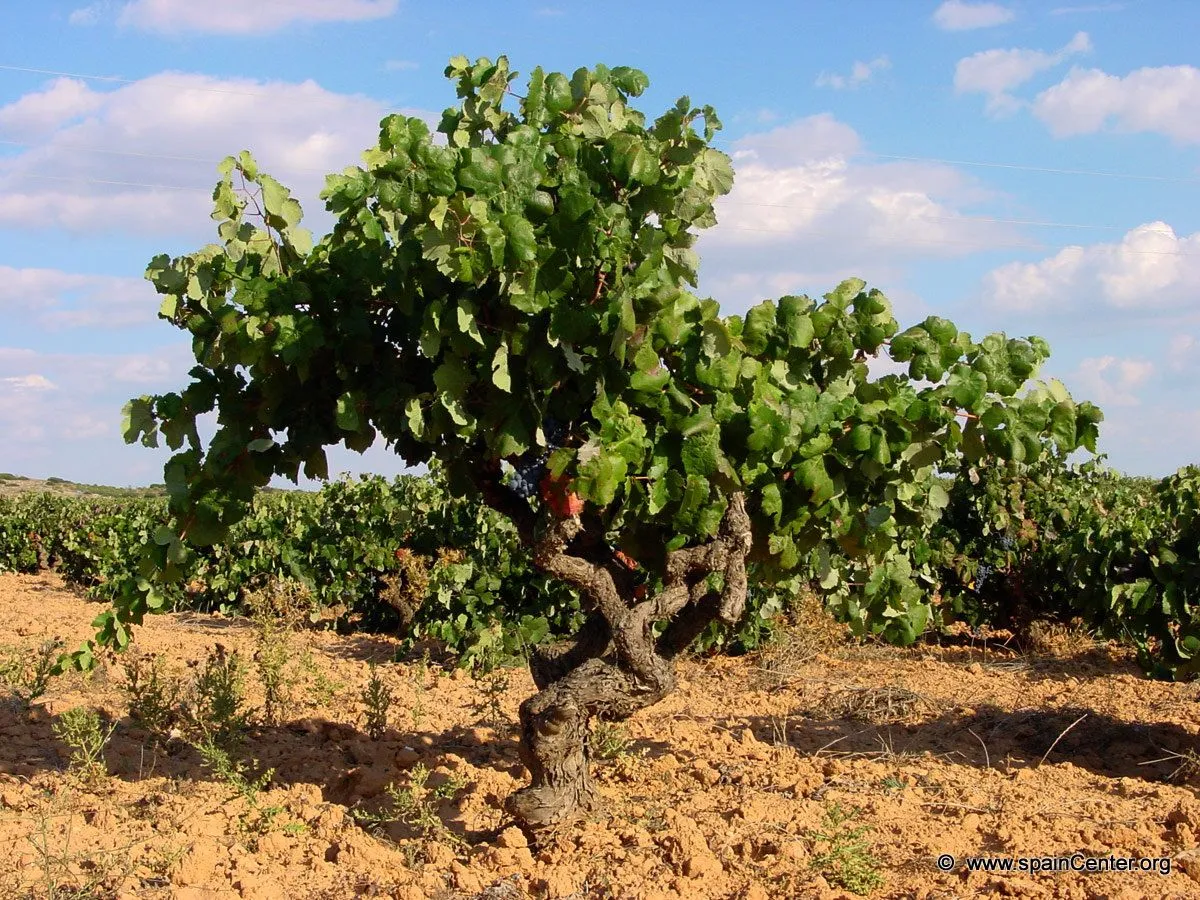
(990, 736)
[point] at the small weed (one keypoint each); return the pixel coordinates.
(323, 691)
(271, 660)
(418, 677)
(416, 806)
(213, 711)
(886, 705)
(277, 611)
(377, 698)
(847, 861)
(153, 697)
(80, 729)
(258, 819)
(780, 726)
(28, 678)
(654, 819)
(891, 783)
(60, 873)
(609, 740)
(232, 772)
(491, 678)
(611, 743)
(1187, 769)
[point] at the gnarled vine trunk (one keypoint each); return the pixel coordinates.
(616, 666)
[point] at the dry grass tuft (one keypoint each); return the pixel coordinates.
(885, 705)
(810, 631)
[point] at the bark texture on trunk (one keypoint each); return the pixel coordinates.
(615, 666)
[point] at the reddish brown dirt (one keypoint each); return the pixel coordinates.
(975, 750)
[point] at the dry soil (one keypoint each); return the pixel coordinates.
(725, 790)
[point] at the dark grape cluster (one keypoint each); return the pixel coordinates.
(527, 474)
(529, 469)
(1007, 543)
(983, 575)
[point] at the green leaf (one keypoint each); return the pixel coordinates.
(500, 376)
(452, 377)
(347, 413)
(278, 203)
(415, 417)
(759, 327)
(630, 81)
(522, 240)
(793, 318)
(811, 473)
(938, 498)
(138, 421)
(467, 323)
(558, 93)
(718, 170)
(700, 453)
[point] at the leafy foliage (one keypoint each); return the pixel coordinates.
(519, 291)
(1082, 541)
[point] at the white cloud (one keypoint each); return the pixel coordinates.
(142, 157)
(806, 212)
(860, 74)
(1151, 271)
(90, 14)
(1110, 381)
(82, 426)
(1164, 100)
(996, 72)
(50, 397)
(801, 181)
(54, 299)
(957, 15)
(239, 17)
(33, 382)
(34, 115)
(141, 369)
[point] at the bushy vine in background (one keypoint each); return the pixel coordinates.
(346, 544)
(1051, 539)
(1016, 541)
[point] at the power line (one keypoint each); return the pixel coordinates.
(105, 181)
(1049, 171)
(210, 161)
(114, 78)
(727, 141)
(957, 218)
(986, 245)
(1019, 167)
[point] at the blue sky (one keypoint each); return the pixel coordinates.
(1017, 166)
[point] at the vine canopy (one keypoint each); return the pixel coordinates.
(519, 284)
